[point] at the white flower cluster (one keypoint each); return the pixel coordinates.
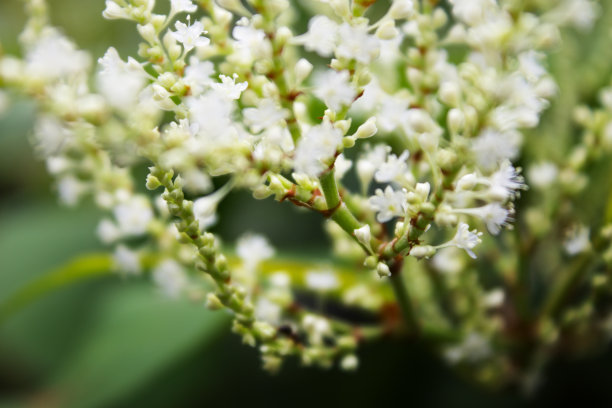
(249, 109)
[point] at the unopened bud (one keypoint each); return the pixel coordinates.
(368, 129)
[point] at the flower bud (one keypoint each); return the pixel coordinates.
(456, 120)
(401, 9)
(152, 182)
(383, 270)
(147, 32)
(387, 30)
(213, 302)
(368, 129)
(421, 252)
(303, 68)
(363, 235)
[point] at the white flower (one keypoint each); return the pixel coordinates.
(472, 12)
(354, 42)
(466, 239)
(108, 231)
(253, 249)
(492, 147)
(50, 135)
(321, 36)
(342, 165)
(180, 6)
(505, 182)
(334, 89)
(369, 161)
(316, 327)
(388, 204)
(393, 169)
(543, 174)
(531, 66)
(494, 298)
(170, 277)
(321, 281)
(448, 260)
(494, 215)
(190, 35)
(198, 75)
(55, 56)
(127, 261)
(205, 210)
(70, 190)
(316, 148)
(250, 42)
(349, 362)
(133, 216)
(266, 115)
(280, 280)
(119, 82)
(577, 240)
(473, 348)
(229, 88)
(268, 311)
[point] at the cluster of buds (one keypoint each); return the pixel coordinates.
(423, 109)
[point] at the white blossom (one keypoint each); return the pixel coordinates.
(170, 277)
(354, 42)
(133, 216)
(120, 82)
(127, 261)
(316, 148)
(108, 231)
(229, 88)
(266, 115)
(55, 56)
(492, 148)
(577, 240)
(321, 36)
(505, 182)
(253, 249)
(368, 163)
(321, 281)
(198, 75)
(182, 6)
(494, 215)
(388, 204)
(334, 89)
(190, 35)
(466, 239)
(473, 348)
(393, 169)
(542, 175)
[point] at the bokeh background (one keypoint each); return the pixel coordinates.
(112, 342)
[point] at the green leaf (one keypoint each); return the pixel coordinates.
(84, 267)
(135, 336)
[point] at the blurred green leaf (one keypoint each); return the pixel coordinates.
(83, 267)
(135, 336)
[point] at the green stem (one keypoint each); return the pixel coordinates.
(403, 300)
(339, 212)
(564, 285)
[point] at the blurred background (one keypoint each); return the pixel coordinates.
(112, 342)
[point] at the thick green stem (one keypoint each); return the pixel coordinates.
(337, 210)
